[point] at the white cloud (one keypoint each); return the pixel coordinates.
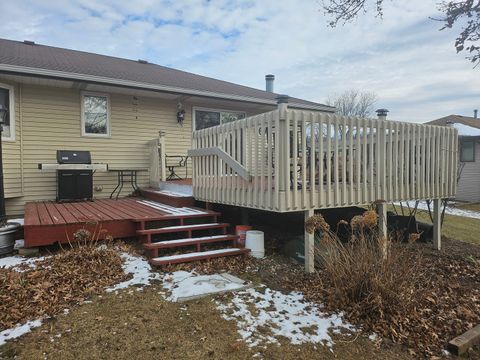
(403, 58)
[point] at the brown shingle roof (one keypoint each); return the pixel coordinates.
(15, 54)
(459, 119)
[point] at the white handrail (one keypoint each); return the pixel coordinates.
(298, 160)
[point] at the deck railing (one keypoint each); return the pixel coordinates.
(291, 160)
(157, 152)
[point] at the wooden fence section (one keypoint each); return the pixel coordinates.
(292, 160)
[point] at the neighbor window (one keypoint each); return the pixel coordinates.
(6, 99)
(467, 150)
(95, 115)
(205, 118)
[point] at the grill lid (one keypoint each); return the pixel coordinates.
(73, 157)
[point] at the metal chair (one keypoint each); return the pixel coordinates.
(174, 162)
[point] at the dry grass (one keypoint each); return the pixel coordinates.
(368, 276)
(141, 325)
(388, 288)
(456, 227)
(468, 206)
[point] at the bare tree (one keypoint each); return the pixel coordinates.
(353, 102)
(464, 12)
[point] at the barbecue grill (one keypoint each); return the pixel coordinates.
(74, 174)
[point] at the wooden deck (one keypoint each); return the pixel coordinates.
(49, 222)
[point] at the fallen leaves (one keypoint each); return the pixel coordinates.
(446, 302)
(58, 281)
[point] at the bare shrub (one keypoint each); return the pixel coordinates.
(365, 276)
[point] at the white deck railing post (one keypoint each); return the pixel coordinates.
(162, 150)
(282, 161)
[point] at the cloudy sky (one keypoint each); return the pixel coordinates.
(404, 58)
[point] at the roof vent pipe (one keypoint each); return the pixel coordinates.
(382, 114)
(269, 79)
(475, 114)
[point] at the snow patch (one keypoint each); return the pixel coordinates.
(183, 285)
(465, 130)
(422, 205)
(20, 221)
(18, 331)
(141, 271)
(172, 193)
(15, 261)
(262, 317)
(171, 209)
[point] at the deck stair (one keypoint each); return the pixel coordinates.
(187, 229)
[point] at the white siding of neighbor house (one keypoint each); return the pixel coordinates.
(49, 118)
(468, 188)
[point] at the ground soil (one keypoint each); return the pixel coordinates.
(141, 325)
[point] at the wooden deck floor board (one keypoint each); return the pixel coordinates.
(49, 222)
(56, 216)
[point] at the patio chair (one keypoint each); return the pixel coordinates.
(173, 163)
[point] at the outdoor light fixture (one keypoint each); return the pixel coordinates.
(180, 112)
(3, 215)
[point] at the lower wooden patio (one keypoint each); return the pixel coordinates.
(48, 222)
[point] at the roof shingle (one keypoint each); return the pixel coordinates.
(20, 54)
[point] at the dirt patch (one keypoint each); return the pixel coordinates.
(141, 325)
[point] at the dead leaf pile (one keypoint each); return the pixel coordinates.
(234, 264)
(444, 304)
(57, 282)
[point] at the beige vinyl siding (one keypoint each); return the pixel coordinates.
(12, 168)
(468, 188)
(51, 120)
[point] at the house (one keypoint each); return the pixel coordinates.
(248, 148)
(468, 172)
(66, 99)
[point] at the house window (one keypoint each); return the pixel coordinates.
(467, 150)
(95, 115)
(7, 100)
(205, 118)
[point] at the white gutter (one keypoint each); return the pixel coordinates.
(154, 87)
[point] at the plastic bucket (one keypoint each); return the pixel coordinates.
(7, 237)
(241, 231)
(255, 242)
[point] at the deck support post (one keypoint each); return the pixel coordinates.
(437, 225)
(382, 224)
(309, 245)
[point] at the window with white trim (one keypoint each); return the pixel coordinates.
(95, 114)
(467, 150)
(7, 100)
(205, 118)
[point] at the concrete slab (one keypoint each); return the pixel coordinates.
(186, 286)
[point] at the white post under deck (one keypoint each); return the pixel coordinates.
(382, 224)
(437, 234)
(309, 245)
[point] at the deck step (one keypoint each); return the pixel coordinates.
(183, 228)
(189, 241)
(174, 259)
(171, 198)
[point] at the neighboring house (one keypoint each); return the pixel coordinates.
(468, 174)
(113, 107)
